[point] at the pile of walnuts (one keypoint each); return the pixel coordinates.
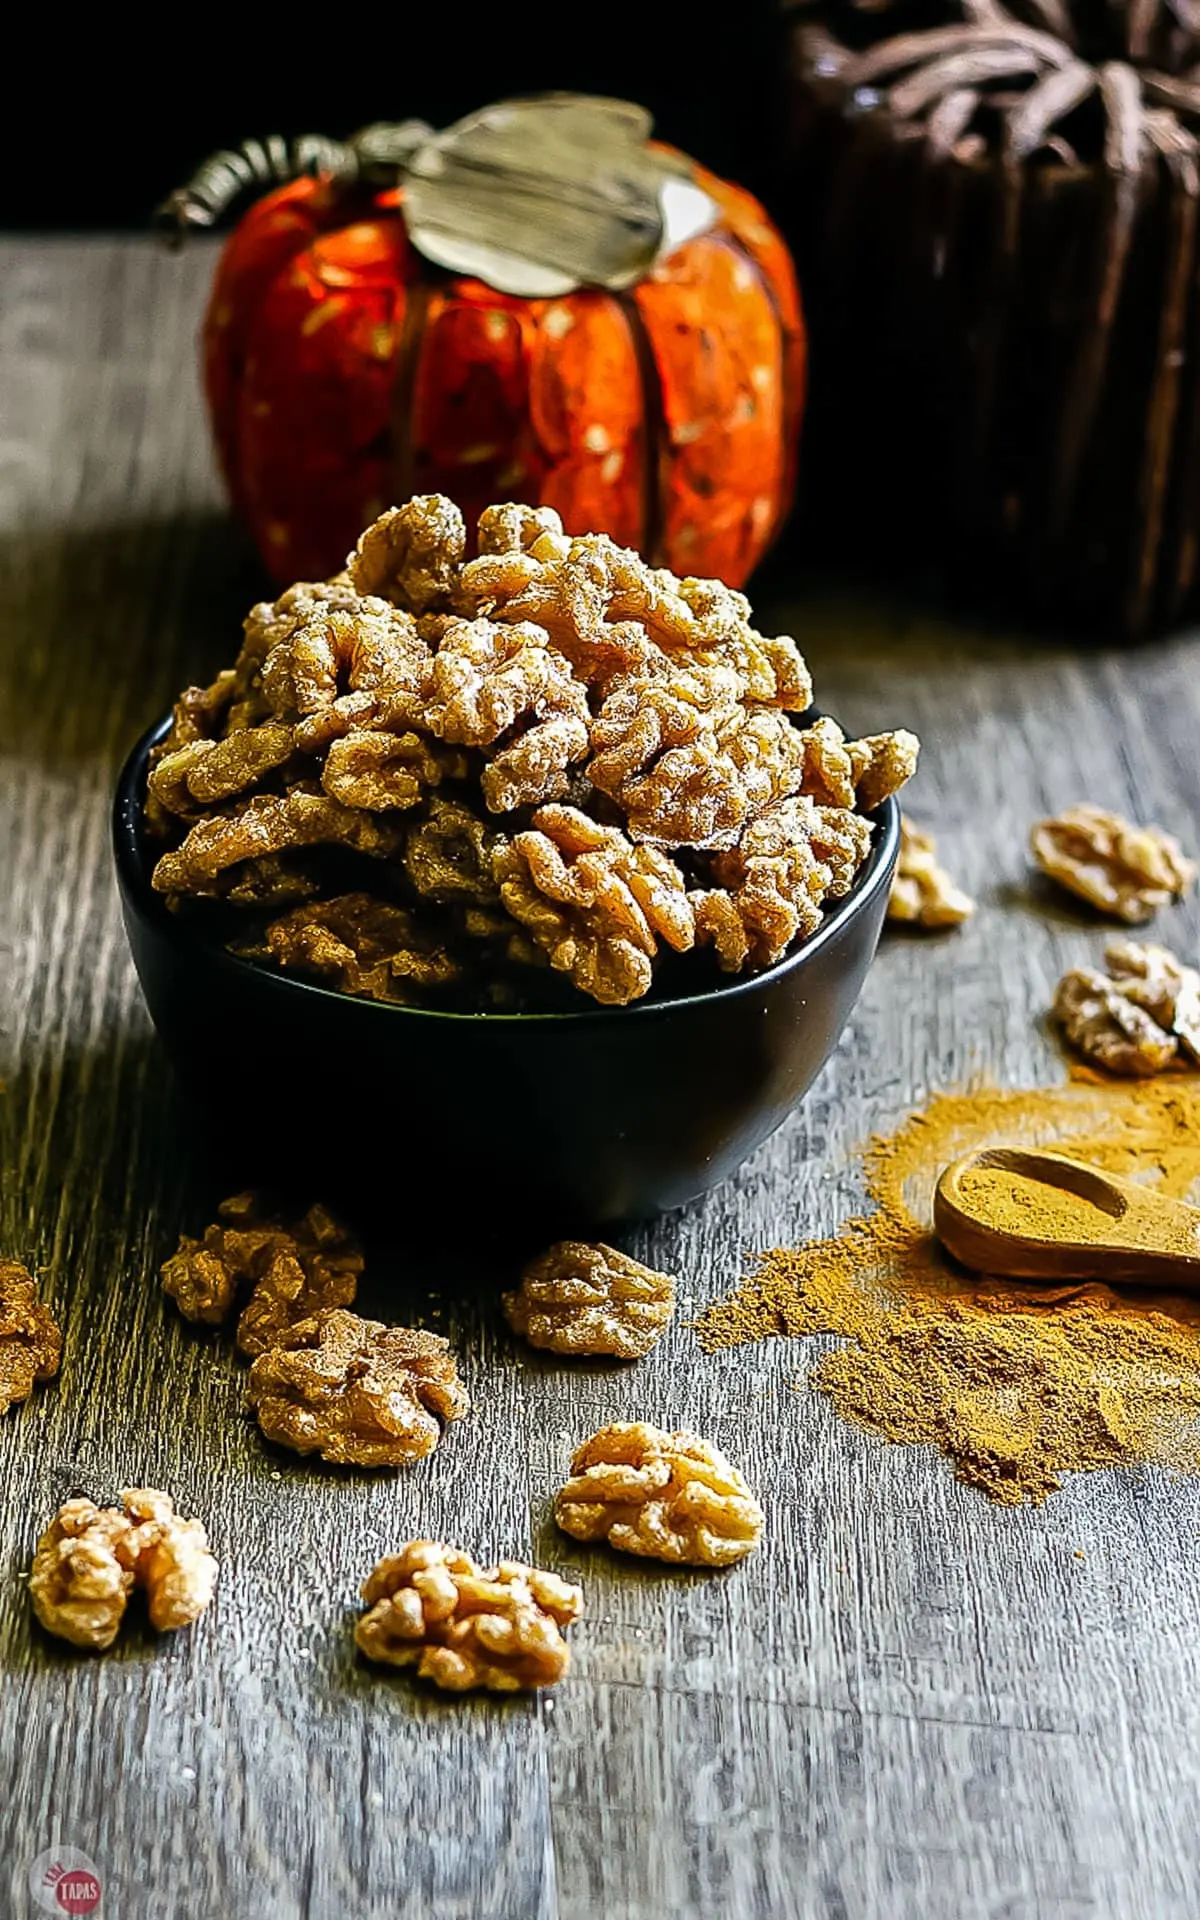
(441, 780)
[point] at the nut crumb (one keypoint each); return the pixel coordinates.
(358, 1393)
(580, 1298)
(90, 1559)
(1121, 869)
(30, 1340)
(923, 894)
(463, 1626)
(668, 1496)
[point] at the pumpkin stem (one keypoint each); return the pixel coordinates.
(375, 155)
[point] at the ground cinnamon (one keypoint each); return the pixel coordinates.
(1016, 1384)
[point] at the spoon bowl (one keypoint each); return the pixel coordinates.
(1028, 1214)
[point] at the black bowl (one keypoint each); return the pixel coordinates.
(573, 1120)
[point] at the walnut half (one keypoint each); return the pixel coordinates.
(358, 1393)
(91, 1558)
(669, 1496)
(923, 894)
(463, 1626)
(583, 1299)
(30, 1341)
(1121, 869)
(1133, 1020)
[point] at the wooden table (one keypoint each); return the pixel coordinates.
(910, 1703)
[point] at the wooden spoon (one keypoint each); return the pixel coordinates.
(1111, 1229)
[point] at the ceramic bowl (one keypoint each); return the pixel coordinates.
(569, 1121)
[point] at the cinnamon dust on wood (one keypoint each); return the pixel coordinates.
(1016, 1384)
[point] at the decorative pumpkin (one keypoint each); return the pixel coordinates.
(589, 358)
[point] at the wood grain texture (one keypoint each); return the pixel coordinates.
(908, 1704)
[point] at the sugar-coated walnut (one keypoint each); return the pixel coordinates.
(669, 1496)
(923, 894)
(266, 824)
(464, 1626)
(882, 763)
(594, 903)
(30, 1341)
(295, 1270)
(770, 887)
(511, 527)
(379, 771)
(686, 762)
(90, 1559)
(580, 1298)
(490, 681)
(356, 1392)
(362, 945)
(1121, 869)
(207, 772)
(1134, 1020)
(411, 554)
(338, 666)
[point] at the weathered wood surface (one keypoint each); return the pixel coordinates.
(909, 1704)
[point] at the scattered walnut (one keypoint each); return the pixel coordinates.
(1133, 1020)
(447, 856)
(379, 771)
(296, 1270)
(30, 1341)
(206, 772)
(669, 1496)
(771, 886)
(90, 1558)
(1121, 869)
(596, 904)
(356, 1392)
(923, 892)
(362, 945)
(584, 1299)
(463, 1626)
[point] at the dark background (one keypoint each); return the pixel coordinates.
(104, 120)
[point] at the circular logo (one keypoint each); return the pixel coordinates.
(63, 1880)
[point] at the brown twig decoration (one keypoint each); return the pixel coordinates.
(1003, 281)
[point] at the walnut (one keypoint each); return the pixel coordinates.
(340, 665)
(583, 1299)
(206, 772)
(463, 1626)
(378, 771)
(882, 763)
(411, 554)
(269, 824)
(1121, 869)
(1134, 1020)
(685, 761)
(362, 945)
(511, 527)
(296, 1270)
(490, 681)
(923, 892)
(91, 1558)
(356, 1392)
(669, 1496)
(30, 1341)
(595, 904)
(771, 886)
(447, 855)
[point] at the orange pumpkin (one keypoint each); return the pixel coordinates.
(344, 372)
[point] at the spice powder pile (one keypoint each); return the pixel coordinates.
(1016, 1384)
